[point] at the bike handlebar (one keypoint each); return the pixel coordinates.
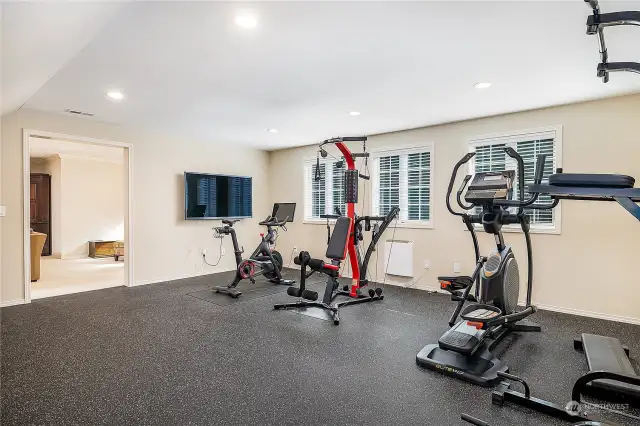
(273, 221)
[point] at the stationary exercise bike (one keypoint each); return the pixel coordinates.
(265, 259)
(464, 351)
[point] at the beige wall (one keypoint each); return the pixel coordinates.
(167, 247)
(92, 205)
(38, 165)
(591, 267)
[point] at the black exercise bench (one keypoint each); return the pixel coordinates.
(336, 252)
(604, 354)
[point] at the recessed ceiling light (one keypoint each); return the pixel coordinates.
(354, 113)
(272, 130)
(483, 85)
(246, 21)
(115, 95)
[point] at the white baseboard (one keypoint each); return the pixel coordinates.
(598, 315)
(12, 303)
(179, 277)
(590, 314)
(571, 311)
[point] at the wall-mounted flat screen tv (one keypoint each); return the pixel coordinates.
(217, 196)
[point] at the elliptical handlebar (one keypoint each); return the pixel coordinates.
(520, 203)
(459, 164)
(466, 180)
(512, 318)
(514, 154)
(537, 179)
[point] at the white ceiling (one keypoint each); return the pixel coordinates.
(44, 148)
(188, 70)
(38, 39)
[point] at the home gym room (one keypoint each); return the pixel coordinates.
(337, 213)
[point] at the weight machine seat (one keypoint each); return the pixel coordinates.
(589, 180)
(337, 248)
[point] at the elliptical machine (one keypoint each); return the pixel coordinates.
(464, 351)
(265, 256)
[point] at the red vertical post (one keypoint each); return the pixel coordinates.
(351, 210)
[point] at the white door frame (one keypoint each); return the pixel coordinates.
(27, 134)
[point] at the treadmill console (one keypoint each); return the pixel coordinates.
(489, 186)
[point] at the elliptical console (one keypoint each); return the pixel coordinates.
(489, 186)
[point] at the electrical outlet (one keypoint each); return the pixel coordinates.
(295, 249)
(204, 251)
(457, 267)
(427, 264)
(222, 251)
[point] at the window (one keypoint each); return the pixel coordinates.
(402, 178)
(324, 195)
(490, 156)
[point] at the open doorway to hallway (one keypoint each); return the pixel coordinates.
(77, 212)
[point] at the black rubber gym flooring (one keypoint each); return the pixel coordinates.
(153, 355)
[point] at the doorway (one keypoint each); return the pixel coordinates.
(78, 214)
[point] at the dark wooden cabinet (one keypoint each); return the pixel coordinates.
(40, 207)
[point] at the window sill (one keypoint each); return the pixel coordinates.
(532, 230)
(413, 225)
(408, 225)
(317, 221)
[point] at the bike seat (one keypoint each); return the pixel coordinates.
(230, 222)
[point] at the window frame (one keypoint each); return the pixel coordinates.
(514, 137)
(376, 154)
(308, 164)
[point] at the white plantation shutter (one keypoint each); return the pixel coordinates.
(490, 156)
(388, 184)
(419, 186)
(322, 196)
(529, 151)
(402, 178)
